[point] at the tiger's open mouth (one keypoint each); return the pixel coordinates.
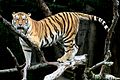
(20, 28)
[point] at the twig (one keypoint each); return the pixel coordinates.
(105, 77)
(101, 63)
(15, 60)
(31, 68)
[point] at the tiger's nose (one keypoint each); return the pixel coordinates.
(20, 24)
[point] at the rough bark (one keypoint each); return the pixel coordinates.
(42, 5)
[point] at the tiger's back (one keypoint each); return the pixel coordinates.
(59, 26)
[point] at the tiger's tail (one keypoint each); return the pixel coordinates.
(94, 18)
(100, 20)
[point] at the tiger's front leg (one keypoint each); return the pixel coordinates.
(70, 52)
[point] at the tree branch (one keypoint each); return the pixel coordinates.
(31, 68)
(112, 27)
(15, 60)
(78, 60)
(107, 52)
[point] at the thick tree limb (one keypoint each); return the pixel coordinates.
(78, 60)
(44, 7)
(110, 32)
(111, 29)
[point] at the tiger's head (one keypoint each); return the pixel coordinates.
(21, 21)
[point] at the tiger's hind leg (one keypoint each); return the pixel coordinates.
(70, 51)
(27, 53)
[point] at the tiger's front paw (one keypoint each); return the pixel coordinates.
(62, 59)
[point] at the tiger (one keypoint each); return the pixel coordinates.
(43, 33)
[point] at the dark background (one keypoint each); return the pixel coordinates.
(101, 8)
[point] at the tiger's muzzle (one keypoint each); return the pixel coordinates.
(20, 28)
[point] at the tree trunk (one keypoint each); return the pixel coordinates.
(43, 7)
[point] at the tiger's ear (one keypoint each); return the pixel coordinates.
(29, 14)
(13, 14)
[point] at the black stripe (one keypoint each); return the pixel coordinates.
(46, 41)
(68, 50)
(63, 25)
(104, 23)
(70, 27)
(68, 22)
(68, 41)
(70, 46)
(42, 25)
(64, 14)
(51, 35)
(54, 26)
(42, 43)
(28, 50)
(45, 31)
(74, 15)
(26, 46)
(66, 18)
(66, 45)
(101, 21)
(97, 18)
(77, 14)
(68, 37)
(68, 33)
(76, 46)
(58, 21)
(45, 37)
(52, 18)
(71, 17)
(93, 19)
